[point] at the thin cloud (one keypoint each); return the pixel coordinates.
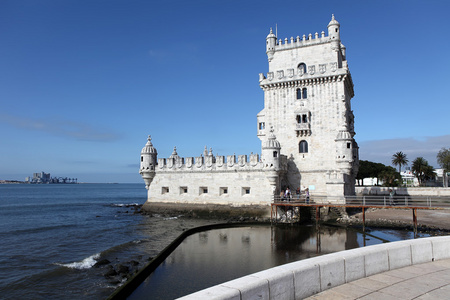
(65, 128)
(382, 150)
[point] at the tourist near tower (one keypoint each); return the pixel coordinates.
(306, 130)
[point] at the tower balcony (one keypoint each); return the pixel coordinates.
(303, 126)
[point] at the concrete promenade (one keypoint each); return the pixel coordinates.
(398, 270)
(422, 282)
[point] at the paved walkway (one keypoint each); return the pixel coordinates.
(422, 281)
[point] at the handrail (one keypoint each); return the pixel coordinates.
(367, 200)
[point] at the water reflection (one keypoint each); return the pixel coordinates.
(212, 257)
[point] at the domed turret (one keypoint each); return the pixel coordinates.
(148, 162)
(333, 32)
(344, 146)
(271, 151)
(271, 41)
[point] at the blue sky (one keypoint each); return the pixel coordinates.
(82, 83)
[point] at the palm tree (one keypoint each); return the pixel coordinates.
(422, 170)
(399, 159)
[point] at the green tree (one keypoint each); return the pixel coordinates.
(422, 170)
(368, 169)
(399, 159)
(443, 159)
(390, 176)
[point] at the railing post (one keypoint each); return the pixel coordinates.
(384, 198)
(364, 200)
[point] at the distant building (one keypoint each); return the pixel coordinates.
(306, 130)
(44, 178)
(41, 177)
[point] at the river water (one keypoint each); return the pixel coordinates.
(51, 236)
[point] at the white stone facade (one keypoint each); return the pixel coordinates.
(306, 130)
(307, 94)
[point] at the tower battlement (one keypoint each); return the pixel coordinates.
(304, 41)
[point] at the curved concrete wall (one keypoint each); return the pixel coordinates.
(307, 277)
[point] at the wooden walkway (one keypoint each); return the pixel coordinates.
(363, 203)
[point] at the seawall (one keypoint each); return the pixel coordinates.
(307, 277)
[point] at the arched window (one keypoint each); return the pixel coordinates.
(304, 93)
(301, 69)
(299, 94)
(303, 147)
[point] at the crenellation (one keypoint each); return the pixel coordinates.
(210, 162)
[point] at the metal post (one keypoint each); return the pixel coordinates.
(415, 219)
(364, 218)
(317, 213)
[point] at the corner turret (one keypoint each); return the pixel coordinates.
(149, 157)
(271, 151)
(271, 41)
(333, 32)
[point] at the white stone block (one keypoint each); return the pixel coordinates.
(354, 265)
(421, 251)
(399, 254)
(375, 259)
(250, 287)
(441, 247)
(306, 277)
(332, 271)
(281, 282)
(217, 292)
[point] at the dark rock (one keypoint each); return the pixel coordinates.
(115, 281)
(134, 263)
(121, 269)
(101, 262)
(110, 273)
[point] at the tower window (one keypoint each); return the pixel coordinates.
(262, 126)
(303, 147)
(302, 93)
(275, 154)
(142, 158)
(245, 191)
(301, 68)
(349, 145)
(223, 190)
(303, 118)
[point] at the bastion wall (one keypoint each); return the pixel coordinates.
(307, 277)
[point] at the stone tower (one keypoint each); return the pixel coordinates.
(307, 93)
(149, 157)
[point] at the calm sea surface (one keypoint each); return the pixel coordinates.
(52, 235)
